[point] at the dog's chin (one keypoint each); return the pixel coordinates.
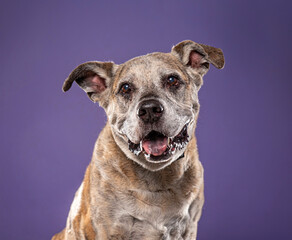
(158, 148)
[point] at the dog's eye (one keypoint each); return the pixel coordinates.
(172, 81)
(125, 89)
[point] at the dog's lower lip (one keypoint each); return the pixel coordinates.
(162, 152)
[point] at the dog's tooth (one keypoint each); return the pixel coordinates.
(173, 148)
(137, 152)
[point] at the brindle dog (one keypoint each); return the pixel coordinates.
(145, 180)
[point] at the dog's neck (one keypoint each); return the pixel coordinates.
(109, 156)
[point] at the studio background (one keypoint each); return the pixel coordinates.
(244, 128)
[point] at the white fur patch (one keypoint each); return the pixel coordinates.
(75, 207)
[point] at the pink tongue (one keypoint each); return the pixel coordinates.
(155, 147)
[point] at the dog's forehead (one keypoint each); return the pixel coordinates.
(148, 65)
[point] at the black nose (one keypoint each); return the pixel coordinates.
(150, 111)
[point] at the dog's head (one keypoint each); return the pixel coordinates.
(151, 101)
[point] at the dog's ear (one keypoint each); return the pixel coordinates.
(198, 56)
(95, 78)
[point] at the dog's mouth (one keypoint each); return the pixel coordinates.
(156, 146)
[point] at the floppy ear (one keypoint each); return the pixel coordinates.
(198, 56)
(95, 78)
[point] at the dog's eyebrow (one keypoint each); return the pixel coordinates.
(168, 71)
(128, 78)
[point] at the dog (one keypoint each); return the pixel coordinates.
(145, 180)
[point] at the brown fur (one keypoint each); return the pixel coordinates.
(124, 196)
(60, 235)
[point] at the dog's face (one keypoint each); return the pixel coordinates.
(151, 101)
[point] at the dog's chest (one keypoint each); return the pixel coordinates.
(154, 215)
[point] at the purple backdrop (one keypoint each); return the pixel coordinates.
(244, 129)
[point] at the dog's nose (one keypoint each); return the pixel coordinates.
(150, 111)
